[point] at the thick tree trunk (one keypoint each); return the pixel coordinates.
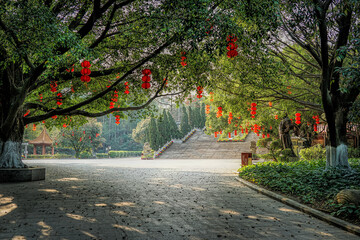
(10, 148)
(337, 150)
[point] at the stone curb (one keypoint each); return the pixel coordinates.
(318, 214)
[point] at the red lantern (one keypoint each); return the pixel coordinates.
(85, 64)
(276, 117)
(145, 85)
(215, 134)
(235, 132)
(246, 131)
(211, 96)
(85, 71)
(268, 135)
(229, 134)
(270, 104)
(34, 127)
(59, 99)
(183, 58)
(64, 125)
(315, 128)
(219, 113)
(231, 47)
(85, 78)
(207, 109)
(146, 72)
(27, 113)
(53, 86)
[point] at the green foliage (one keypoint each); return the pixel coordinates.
(305, 179)
(173, 128)
(139, 134)
(102, 155)
(286, 155)
(57, 156)
(354, 152)
(123, 154)
(153, 134)
(184, 124)
(86, 155)
(313, 153)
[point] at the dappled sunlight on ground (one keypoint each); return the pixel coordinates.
(149, 203)
(7, 208)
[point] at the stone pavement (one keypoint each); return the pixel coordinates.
(202, 146)
(158, 199)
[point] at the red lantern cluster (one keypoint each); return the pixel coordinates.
(256, 129)
(317, 122)
(298, 118)
(270, 104)
(215, 134)
(219, 112)
(146, 78)
(229, 134)
(40, 97)
(231, 46)
(34, 127)
(207, 109)
(276, 117)
(117, 119)
(253, 110)
(53, 86)
(115, 96)
(235, 132)
(126, 88)
(85, 72)
(199, 92)
(211, 96)
(230, 117)
(183, 58)
(59, 99)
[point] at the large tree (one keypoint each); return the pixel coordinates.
(43, 43)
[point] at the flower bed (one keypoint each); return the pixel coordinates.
(188, 136)
(166, 146)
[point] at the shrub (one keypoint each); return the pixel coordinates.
(38, 156)
(121, 154)
(63, 156)
(102, 155)
(316, 152)
(286, 155)
(354, 152)
(85, 155)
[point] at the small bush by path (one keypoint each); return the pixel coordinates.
(309, 183)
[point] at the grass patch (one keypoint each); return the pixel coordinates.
(309, 183)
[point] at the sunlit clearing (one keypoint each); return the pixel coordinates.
(6, 209)
(89, 234)
(100, 204)
(5, 200)
(46, 228)
(126, 228)
(80, 218)
(69, 179)
(49, 190)
(17, 237)
(288, 210)
(229, 212)
(124, 204)
(120, 212)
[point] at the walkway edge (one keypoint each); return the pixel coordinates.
(318, 214)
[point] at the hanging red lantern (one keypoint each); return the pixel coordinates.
(40, 97)
(253, 110)
(263, 135)
(235, 132)
(246, 131)
(146, 78)
(117, 119)
(219, 112)
(315, 128)
(85, 71)
(85, 64)
(59, 99)
(183, 58)
(53, 86)
(276, 117)
(27, 113)
(298, 118)
(270, 104)
(199, 91)
(64, 125)
(232, 53)
(268, 135)
(211, 96)
(207, 109)
(242, 130)
(54, 117)
(229, 134)
(34, 127)
(80, 139)
(85, 78)
(97, 134)
(215, 134)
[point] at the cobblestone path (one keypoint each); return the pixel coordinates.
(160, 199)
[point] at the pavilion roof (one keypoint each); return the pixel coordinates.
(42, 139)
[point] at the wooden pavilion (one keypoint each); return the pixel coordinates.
(43, 140)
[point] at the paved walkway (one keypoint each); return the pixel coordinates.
(159, 199)
(202, 146)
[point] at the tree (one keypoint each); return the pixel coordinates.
(173, 128)
(85, 138)
(120, 38)
(140, 133)
(184, 124)
(153, 134)
(202, 115)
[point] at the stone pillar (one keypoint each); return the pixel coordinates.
(52, 150)
(34, 150)
(43, 150)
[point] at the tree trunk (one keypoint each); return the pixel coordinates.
(337, 150)
(10, 147)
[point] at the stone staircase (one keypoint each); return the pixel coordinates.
(202, 146)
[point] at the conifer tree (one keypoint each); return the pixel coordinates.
(173, 128)
(202, 115)
(184, 125)
(152, 134)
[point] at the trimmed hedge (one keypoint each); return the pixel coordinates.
(56, 156)
(121, 154)
(102, 155)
